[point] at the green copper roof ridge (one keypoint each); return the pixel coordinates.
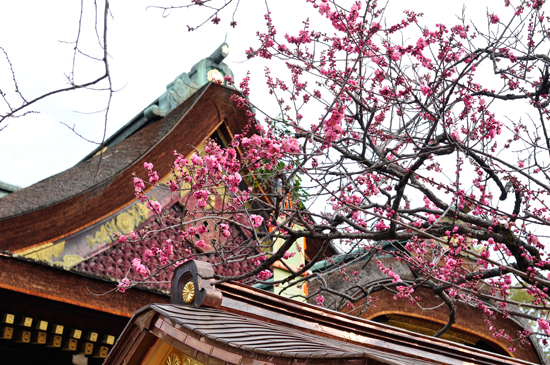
(8, 187)
(328, 263)
(177, 91)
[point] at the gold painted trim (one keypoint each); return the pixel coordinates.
(45, 253)
(33, 249)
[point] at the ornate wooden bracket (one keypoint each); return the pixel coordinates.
(189, 288)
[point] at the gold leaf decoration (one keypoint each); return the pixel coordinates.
(123, 223)
(214, 74)
(173, 359)
(46, 253)
(188, 293)
(103, 351)
(71, 260)
(352, 336)
(190, 361)
(57, 341)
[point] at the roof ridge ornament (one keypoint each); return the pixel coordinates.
(190, 289)
(186, 84)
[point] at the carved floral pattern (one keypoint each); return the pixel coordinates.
(122, 224)
(173, 359)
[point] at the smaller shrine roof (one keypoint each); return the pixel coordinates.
(236, 324)
(241, 334)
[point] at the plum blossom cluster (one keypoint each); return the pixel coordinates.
(123, 285)
(139, 267)
(268, 149)
(264, 275)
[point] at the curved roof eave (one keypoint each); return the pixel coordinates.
(93, 189)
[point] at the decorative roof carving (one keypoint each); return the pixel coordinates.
(186, 84)
(190, 286)
(123, 223)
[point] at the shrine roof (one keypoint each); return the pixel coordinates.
(244, 334)
(236, 324)
(95, 188)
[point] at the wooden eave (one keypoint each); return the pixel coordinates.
(45, 309)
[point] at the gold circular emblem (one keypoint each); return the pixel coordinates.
(188, 293)
(125, 223)
(214, 74)
(173, 359)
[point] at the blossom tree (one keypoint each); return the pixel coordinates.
(382, 138)
(393, 141)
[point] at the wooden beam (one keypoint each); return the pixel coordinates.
(58, 285)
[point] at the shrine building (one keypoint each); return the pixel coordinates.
(60, 264)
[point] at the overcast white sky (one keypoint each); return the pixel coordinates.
(147, 52)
